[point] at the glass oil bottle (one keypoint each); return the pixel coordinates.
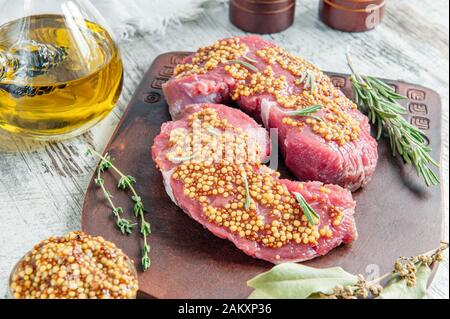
(59, 73)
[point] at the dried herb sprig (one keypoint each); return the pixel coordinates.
(291, 280)
(125, 183)
(360, 290)
(405, 269)
(307, 209)
(381, 103)
(306, 112)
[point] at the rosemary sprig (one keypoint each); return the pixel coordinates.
(306, 112)
(249, 59)
(247, 191)
(246, 64)
(384, 111)
(126, 182)
(307, 209)
(308, 80)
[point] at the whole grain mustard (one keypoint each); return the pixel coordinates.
(219, 171)
(335, 121)
(75, 266)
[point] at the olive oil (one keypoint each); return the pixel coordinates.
(59, 78)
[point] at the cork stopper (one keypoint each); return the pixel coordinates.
(352, 15)
(262, 16)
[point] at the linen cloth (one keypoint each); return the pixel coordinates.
(126, 18)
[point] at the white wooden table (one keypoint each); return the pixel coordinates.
(42, 184)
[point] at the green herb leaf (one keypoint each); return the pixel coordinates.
(145, 260)
(145, 229)
(259, 294)
(246, 64)
(397, 288)
(125, 182)
(125, 226)
(138, 209)
(307, 111)
(307, 209)
(99, 181)
(118, 210)
(249, 59)
(136, 199)
(247, 191)
(105, 163)
(295, 281)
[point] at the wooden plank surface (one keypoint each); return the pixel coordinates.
(42, 185)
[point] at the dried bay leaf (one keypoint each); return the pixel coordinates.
(295, 281)
(397, 288)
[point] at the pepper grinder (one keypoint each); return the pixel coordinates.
(352, 15)
(262, 16)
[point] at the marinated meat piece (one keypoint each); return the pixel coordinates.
(210, 160)
(333, 145)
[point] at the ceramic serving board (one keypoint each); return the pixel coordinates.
(395, 214)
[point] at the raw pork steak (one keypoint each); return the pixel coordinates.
(210, 160)
(333, 145)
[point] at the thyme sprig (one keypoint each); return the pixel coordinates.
(126, 183)
(125, 226)
(306, 112)
(307, 209)
(308, 80)
(246, 64)
(381, 103)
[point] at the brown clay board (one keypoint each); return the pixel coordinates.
(395, 214)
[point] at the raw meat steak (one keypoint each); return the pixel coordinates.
(333, 145)
(210, 160)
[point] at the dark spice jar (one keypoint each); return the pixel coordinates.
(262, 16)
(352, 15)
